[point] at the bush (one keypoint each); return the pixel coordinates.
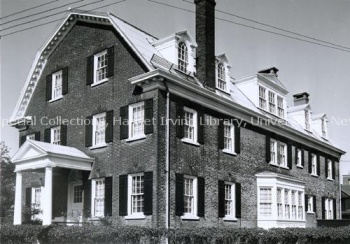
(20, 233)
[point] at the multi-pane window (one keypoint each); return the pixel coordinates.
(278, 152)
(330, 169)
(30, 137)
(307, 119)
(137, 194)
(310, 204)
(294, 205)
(299, 160)
(37, 198)
(280, 107)
(136, 116)
(286, 204)
(262, 97)
(328, 208)
(313, 165)
(229, 200)
(289, 204)
(272, 103)
(273, 146)
(99, 129)
(188, 195)
(229, 137)
(265, 202)
(279, 204)
(78, 194)
(99, 197)
(56, 135)
(324, 130)
(300, 205)
(190, 124)
(282, 148)
(182, 57)
(100, 64)
(221, 77)
(57, 85)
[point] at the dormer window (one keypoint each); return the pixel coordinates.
(324, 130)
(182, 57)
(262, 97)
(307, 119)
(272, 103)
(280, 107)
(221, 77)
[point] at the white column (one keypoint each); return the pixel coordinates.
(47, 197)
(17, 219)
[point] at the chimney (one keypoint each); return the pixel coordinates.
(205, 38)
(301, 98)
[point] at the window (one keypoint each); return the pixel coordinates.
(57, 85)
(294, 205)
(30, 137)
(278, 153)
(273, 147)
(56, 135)
(300, 205)
(221, 77)
(136, 195)
(190, 196)
(307, 119)
(36, 199)
(313, 165)
(328, 208)
(190, 125)
(329, 169)
(272, 103)
(299, 158)
(229, 137)
(286, 204)
(78, 194)
(279, 204)
(229, 200)
(280, 107)
(99, 130)
(265, 202)
(136, 118)
(310, 204)
(282, 148)
(182, 57)
(98, 193)
(100, 67)
(262, 97)
(324, 131)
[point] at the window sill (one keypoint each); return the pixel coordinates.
(185, 140)
(98, 146)
(135, 216)
(99, 82)
(310, 212)
(330, 179)
(189, 217)
(299, 166)
(229, 219)
(284, 167)
(55, 99)
(135, 138)
(313, 175)
(223, 91)
(229, 152)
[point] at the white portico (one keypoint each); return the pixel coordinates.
(36, 156)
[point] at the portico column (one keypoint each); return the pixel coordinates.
(17, 218)
(47, 197)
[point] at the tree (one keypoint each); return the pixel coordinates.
(7, 180)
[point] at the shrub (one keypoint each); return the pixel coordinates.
(20, 233)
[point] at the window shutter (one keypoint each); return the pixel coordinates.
(47, 135)
(64, 80)
(302, 158)
(201, 197)
(268, 149)
(149, 116)
(310, 162)
(108, 196)
(334, 208)
(87, 198)
(333, 170)
(318, 162)
(148, 193)
(306, 202)
(200, 124)
(90, 70)
(278, 153)
(28, 197)
(124, 126)
(296, 156)
(22, 140)
(109, 126)
(237, 139)
(37, 136)
(221, 135)
(238, 200)
(314, 203)
(110, 61)
(63, 135)
(221, 199)
(323, 208)
(48, 87)
(326, 171)
(289, 156)
(123, 195)
(179, 193)
(88, 132)
(179, 122)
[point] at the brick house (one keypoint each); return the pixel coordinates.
(117, 123)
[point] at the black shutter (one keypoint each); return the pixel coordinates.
(108, 196)
(63, 135)
(221, 135)
(22, 140)
(333, 170)
(88, 132)
(327, 168)
(318, 165)
(109, 126)
(268, 149)
(237, 139)
(302, 158)
(64, 80)
(149, 116)
(314, 203)
(289, 156)
(334, 208)
(87, 198)
(123, 195)
(110, 61)
(306, 202)
(48, 87)
(200, 121)
(296, 156)
(28, 197)
(37, 136)
(238, 200)
(179, 122)
(221, 199)
(310, 162)
(148, 193)
(90, 70)
(179, 195)
(47, 135)
(124, 128)
(323, 208)
(201, 197)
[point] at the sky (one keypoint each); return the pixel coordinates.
(303, 66)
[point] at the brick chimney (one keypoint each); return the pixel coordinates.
(301, 98)
(205, 38)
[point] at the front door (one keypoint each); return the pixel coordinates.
(75, 202)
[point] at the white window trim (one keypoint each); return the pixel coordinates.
(193, 215)
(231, 217)
(299, 160)
(307, 120)
(95, 82)
(310, 201)
(232, 134)
(329, 203)
(30, 136)
(94, 121)
(186, 57)
(38, 216)
(276, 148)
(93, 194)
(53, 98)
(314, 161)
(52, 132)
(225, 76)
(130, 214)
(130, 115)
(263, 98)
(275, 102)
(195, 127)
(330, 169)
